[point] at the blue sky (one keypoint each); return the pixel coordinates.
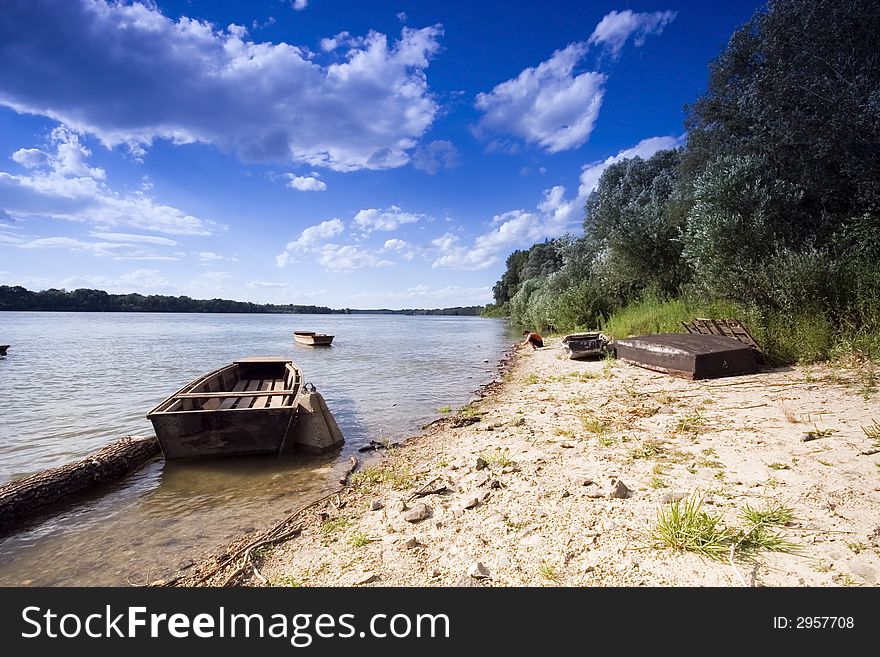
(344, 153)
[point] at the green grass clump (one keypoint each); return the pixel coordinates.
(872, 431)
(683, 525)
(393, 472)
(358, 539)
(444, 409)
(497, 457)
(335, 525)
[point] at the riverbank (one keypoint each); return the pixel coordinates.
(556, 476)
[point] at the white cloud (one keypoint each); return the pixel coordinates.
(144, 279)
(548, 105)
(63, 186)
(390, 219)
(150, 77)
(299, 5)
(112, 247)
(591, 173)
(130, 238)
(446, 296)
(439, 154)
(617, 26)
(30, 157)
(306, 183)
(406, 250)
(264, 284)
(335, 257)
(401, 16)
(210, 256)
(554, 216)
(314, 235)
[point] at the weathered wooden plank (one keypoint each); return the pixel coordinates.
(278, 400)
(252, 386)
(230, 401)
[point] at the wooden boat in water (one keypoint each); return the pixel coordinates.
(255, 405)
(689, 356)
(3, 348)
(584, 345)
(313, 339)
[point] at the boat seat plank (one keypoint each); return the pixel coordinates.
(260, 402)
(252, 386)
(230, 401)
(277, 400)
(235, 395)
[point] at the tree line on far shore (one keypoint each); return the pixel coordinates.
(86, 300)
(770, 212)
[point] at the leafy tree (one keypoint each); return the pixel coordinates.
(799, 86)
(634, 217)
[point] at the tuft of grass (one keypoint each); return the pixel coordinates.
(531, 379)
(469, 411)
(779, 466)
(760, 535)
(547, 571)
(594, 426)
(359, 539)
(856, 547)
(335, 525)
(393, 472)
(657, 482)
(606, 441)
(648, 449)
(872, 431)
(691, 422)
(497, 457)
(683, 525)
(287, 580)
(775, 514)
(444, 409)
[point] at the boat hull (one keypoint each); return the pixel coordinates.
(201, 434)
(688, 356)
(248, 407)
(582, 346)
(313, 339)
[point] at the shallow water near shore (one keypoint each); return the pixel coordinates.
(74, 382)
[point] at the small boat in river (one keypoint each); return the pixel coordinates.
(3, 348)
(312, 339)
(255, 405)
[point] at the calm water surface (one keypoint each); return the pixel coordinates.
(74, 382)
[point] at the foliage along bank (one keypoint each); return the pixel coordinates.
(770, 211)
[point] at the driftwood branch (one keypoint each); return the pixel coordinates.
(29, 495)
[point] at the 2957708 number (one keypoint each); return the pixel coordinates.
(813, 622)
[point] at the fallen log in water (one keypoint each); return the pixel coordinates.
(25, 497)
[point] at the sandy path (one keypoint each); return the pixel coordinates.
(557, 433)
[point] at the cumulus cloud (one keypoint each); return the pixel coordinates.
(617, 27)
(150, 77)
(406, 250)
(391, 218)
(439, 154)
(299, 5)
(315, 235)
(336, 257)
(60, 184)
(553, 216)
(548, 105)
(306, 183)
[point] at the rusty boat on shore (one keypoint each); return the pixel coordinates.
(691, 356)
(254, 405)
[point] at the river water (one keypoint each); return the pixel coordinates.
(74, 382)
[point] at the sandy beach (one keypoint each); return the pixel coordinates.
(556, 475)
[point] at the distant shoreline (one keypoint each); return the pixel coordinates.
(19, 299)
